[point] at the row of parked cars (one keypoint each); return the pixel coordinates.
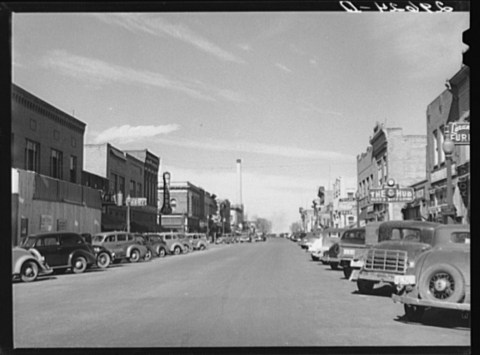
(42, 254)
(426, 264)
(240, 238)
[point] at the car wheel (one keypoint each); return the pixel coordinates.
(202, 247)
(177, 250)
(186, 249)
(134, 256)
(29, 271)
(414, 313)
(347, 271)
(148, 256)
(365, 286)
(442, 282)
(334, 266)
(162, 252)
(79, 264)
(103, 260)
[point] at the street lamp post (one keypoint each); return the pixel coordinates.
(357, 197)
(448, 147)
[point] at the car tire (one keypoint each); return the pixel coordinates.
(347, 271)
(29, 271)
(365, 286)
(79, 264)
(134, 256)
(442, 282)
(103, 260)
(162, 252)
(334, 266)
(186, 249)
(202, 247)
(177, 250)
(148, 256)
(414, 313)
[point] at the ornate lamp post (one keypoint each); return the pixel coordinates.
(448, 147)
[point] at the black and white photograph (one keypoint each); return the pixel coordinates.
(240, 175)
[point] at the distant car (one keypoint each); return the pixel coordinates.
(173, 242)
(198, 241)
(309, 239)
(322, 245)
(160, 247)
(245, 238)
(27, 265)
(122, 244)
(442, 275)
(62, 250)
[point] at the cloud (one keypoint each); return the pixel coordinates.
(245, 46)
(127, 133)
(309, 107)
(283, 67)
(259, 148)
(158, 26)
(94, 71)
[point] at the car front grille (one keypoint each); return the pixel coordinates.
(394, 261)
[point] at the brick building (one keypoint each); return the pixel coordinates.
(452, 105)
(47, 158)
(393, 155)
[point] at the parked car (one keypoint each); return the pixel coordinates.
(322, 244)
(350, 241)
(400, 242)
(160, 247)
(62, 250)
(333, 235)
(198, 241)
(309, 239)
(187, 245)
(122, 244)
(104, 256)
(27, 265)
(245, 238)
(173, 242)
(220, 240)
(441, 277)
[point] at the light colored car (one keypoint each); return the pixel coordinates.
(122, 244)
(442, 275)
(198, 241)
(27, 265)
(173, 242)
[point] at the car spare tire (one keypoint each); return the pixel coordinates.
(442, 282)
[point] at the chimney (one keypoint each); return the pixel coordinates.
(239, 182)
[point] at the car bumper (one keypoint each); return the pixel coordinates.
(398, 280)
(426, 303)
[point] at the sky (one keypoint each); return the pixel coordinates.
(295, 95)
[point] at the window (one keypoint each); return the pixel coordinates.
(121, 185)
(435, 148)
(121, 237)
(33, 124)
(73, 168)
(70, 240)
(110, 238)
(56, 164)
(139, 190)
(132, 188)
(32, 156)
(113, 182)
(49, 241)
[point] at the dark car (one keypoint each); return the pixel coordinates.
(442, 275)
(62, 250)
(104, 256)
(393, 258)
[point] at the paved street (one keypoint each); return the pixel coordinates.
(252, 294)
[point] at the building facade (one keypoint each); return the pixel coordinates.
(126, 179)
(344, 204)
(47, 158)
(391, 155)
(452, 105)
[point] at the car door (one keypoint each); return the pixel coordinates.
(67, 244)
(110, 242)
(121, 244)
(49, 246)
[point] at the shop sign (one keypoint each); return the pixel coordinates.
(46, 223)
(441, 174)
(458, 132)
(388, 195)
(136, 201)
(420, 193)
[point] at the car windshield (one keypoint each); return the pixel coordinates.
(97, 238)
(461, 237)
(28, 242)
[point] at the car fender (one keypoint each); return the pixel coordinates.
(91, 258)
(21, 260)
(176, 244)
(141, 248)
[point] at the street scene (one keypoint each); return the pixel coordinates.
(242, 179)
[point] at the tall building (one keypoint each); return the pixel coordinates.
(47, 158)
(452, 105)
(391, 155)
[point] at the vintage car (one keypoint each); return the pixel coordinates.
(352, 249)
(187, 244)
(245, 238)
(159, 246)
(62, 250)
(27, 265)
(104, 256)
(334, 234)
(173, 242)
(322, 244)
(309, 239)
(122, 244)
(198, 241)
(441, 277)
(393, 258)
(351, 241)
